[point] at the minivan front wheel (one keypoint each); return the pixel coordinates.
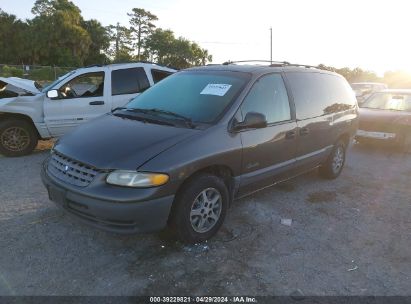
(200, 209)
(335, 163)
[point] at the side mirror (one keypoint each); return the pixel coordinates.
(252, 120)
(53, 94)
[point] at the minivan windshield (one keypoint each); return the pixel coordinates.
(389, 101)
(198, 96)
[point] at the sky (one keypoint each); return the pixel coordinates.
(373, 35)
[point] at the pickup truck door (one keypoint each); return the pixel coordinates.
(81, 98)
(127, 84)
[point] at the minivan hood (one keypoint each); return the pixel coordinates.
(112, 142)
(25, 84)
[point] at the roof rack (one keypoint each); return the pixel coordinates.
(127, 62)
(162, 65)
(272, 63)
(268, 61)
(93, 65)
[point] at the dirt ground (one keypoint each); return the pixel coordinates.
(350, 236)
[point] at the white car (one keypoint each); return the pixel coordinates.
(363, 90)
(29, 113)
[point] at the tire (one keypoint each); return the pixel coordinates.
(192, 218)
(17, 137)
(334, 165)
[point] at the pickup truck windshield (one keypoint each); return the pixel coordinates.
(199, 96)
(57, 81)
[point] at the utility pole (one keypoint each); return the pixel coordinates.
(271, 45)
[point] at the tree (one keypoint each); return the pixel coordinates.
(159, 44)
(58, 35)
(120, 43)
(165, 49)
(141, 26)
(13, 39)
(353, 75)
(100, 42)
(49, 7)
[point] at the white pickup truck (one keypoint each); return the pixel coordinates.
(29, 113)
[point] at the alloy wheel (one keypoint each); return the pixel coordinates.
(15, 139)
(338, 159)
(206, 210)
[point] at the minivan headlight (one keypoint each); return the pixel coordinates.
(136, 179)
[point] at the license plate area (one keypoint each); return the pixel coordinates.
(56, 195)
(376, 135)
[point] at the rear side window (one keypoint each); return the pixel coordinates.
(129, 81)
(317, 94)
(268, 96)
(159, 75)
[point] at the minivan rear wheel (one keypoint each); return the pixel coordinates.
(335, 163)
(200, 209)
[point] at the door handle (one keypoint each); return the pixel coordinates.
(96, 103)
(304, 131)
(290, 135)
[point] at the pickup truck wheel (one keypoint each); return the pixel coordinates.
(17, 138)
(200, 209)
(332, 168)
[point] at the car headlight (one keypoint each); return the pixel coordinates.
(136, 179)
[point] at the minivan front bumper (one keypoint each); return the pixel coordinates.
(121, 214)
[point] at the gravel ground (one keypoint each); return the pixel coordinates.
(350, 236)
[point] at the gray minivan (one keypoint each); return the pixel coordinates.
(182, 151)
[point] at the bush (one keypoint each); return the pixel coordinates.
(42, 74)
(7, 71)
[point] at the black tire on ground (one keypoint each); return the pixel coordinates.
(191, 200)
(333, 166)
(17, 137)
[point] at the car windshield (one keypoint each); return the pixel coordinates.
(198, 96)
(389, 101)
(57, 81)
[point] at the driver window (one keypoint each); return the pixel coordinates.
(86, 85)
(268, 96)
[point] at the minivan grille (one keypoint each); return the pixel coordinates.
(71, 171)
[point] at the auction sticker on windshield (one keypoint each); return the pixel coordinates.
(217, 89)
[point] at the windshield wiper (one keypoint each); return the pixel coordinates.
(118, 108)
(134, 110)
(143, 118)
(186, 119)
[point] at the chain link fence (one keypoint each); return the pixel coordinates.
(41, 74)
